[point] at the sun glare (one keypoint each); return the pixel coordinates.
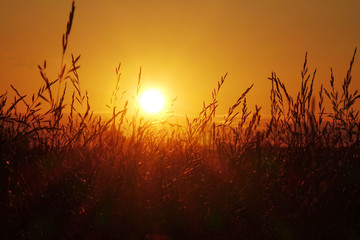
(152, 101)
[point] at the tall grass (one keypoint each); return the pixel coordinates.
(77, 175)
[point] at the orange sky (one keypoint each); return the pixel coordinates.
(183, 47)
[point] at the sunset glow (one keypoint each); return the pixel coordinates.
(193, 43)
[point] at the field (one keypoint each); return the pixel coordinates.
(67, 173)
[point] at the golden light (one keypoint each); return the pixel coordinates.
(152, 101)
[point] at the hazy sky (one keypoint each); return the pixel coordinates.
(183, 47)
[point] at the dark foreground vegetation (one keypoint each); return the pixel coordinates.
(77, 176)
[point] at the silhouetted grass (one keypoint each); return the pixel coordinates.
(126, 177)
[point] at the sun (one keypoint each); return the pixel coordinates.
(152, 101)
